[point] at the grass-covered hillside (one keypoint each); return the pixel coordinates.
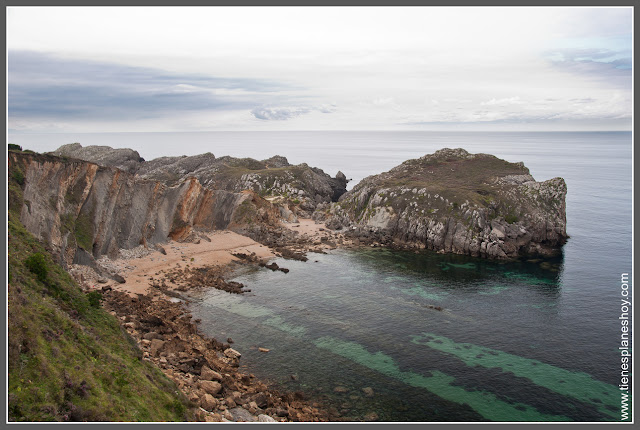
(69, 360)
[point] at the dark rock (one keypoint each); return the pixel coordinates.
(272, 266)
(260, 399)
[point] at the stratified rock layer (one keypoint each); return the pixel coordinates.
(83, 211)
(298, 188)
(453, 201)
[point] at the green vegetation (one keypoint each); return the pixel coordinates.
(94, 297)
(37, 265)
(456, 179)
(18, 176)
(69, 359)
(84, 232)
(14, 147)
(245, 213)
(511, 218)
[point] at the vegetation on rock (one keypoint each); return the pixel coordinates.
(68, 359)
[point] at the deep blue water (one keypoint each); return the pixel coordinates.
(526, 341)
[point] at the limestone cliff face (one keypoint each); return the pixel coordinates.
(84, 211)
(297, 188)
(453, 201)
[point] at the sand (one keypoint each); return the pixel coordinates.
(137, 271)
(309, 228)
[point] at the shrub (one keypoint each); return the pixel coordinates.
(37, 265)
(511, 218)
(18, 176)
(94, 297)
(14, 147)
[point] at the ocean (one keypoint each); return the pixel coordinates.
(535, 340)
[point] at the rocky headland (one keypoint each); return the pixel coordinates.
(145, 233)
(456, 202)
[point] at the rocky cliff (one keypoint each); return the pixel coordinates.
(453, 201)
(83, 210)
(298, 189)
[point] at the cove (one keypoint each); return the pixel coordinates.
(505, 345)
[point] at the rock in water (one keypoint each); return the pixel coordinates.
(232, 353)
(457, 202)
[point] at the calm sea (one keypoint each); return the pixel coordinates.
(526, 341)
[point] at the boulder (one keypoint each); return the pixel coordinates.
(232, 353)
(156, 346)
(211, 387)
(207, 374)
(265, 419)
(208, 402)
(152, 335)
(241, 414)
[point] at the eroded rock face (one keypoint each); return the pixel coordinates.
(300, 187)
(122, 158)
(453, 201)
(84, 211)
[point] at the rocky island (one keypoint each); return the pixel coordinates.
(136, 235)
(453, 201)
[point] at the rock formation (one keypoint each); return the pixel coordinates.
(453, 201)
(450, 201)
(298, 189)
(83, 211)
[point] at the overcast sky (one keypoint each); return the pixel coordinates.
(221, 68)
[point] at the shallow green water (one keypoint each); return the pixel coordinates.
(499, 349)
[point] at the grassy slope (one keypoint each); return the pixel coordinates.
(69, 360)
(456, 179)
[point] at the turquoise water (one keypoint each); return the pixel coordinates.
(521, 341)
(524, 341)
(497, 350)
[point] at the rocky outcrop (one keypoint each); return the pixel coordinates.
(122, 158)
(453, 201)
(297, 188)
(83, 210)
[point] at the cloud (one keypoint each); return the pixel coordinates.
(269, 113)
(611, 67)
(503, 102)
(45, 86)
(279, 113)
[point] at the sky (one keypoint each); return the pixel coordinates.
(139, 69)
